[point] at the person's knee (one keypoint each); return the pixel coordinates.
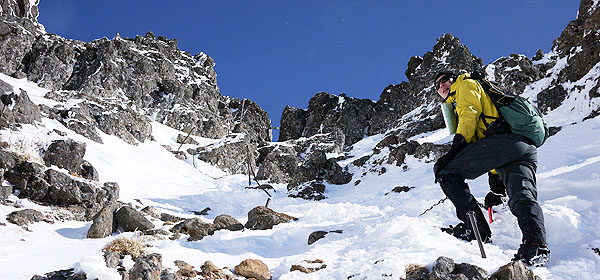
(521, 204)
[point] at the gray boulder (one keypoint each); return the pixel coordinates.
(5, 88)
(112, 259)
(18, 108)
(5, 191)
(67, 154)
(146, 267)
(7, 159)
(25, 217)
(195, 228)
(261, 218)
(320, 234)
(442, 268)
(445, 268)
(130, 219)
(227, 222)
(64, 190)
(103, 224)
(65, 274)
(36, 188)
(166, 217)
(514, 270)
(185, 139)
(88, 171)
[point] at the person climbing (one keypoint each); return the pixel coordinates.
(481, 145)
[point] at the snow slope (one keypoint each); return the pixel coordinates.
(382, 234)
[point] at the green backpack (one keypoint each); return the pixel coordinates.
(524, 119)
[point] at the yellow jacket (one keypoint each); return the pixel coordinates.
(471, 101)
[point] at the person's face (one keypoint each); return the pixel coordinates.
(443, 85)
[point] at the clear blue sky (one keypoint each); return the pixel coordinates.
(280, 52)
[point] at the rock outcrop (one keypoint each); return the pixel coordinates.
(20, 8)
(119, 84)
(72, 188)
(578, 47)
(327, 113)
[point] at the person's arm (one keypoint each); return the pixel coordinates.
(468, 108)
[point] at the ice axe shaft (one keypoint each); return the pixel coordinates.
(473, 221)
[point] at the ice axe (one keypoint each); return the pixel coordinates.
(473, 221)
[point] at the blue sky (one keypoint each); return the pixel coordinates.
(279, 52)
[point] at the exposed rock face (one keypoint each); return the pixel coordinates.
(39, 183)
(580, 41)
(20, 8)
(17, 108)
(318, 168)
(327, 113)
(579, 45)
(230, 154)
(398, 100)
(253, 121)
(293, 121)
(303, 160)
(357, 118)
(120, 83)
(279, 166)
(514, 73)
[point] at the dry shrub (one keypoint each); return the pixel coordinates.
(126, 246)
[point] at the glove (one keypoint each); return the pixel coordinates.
(497, 193)
(458, 144)
(440, 164)
(496, 184)
(493, 199)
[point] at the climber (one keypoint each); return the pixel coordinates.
(480, 146)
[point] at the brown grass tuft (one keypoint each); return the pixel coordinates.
(126, 246)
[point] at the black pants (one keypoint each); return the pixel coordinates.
(515, 159)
